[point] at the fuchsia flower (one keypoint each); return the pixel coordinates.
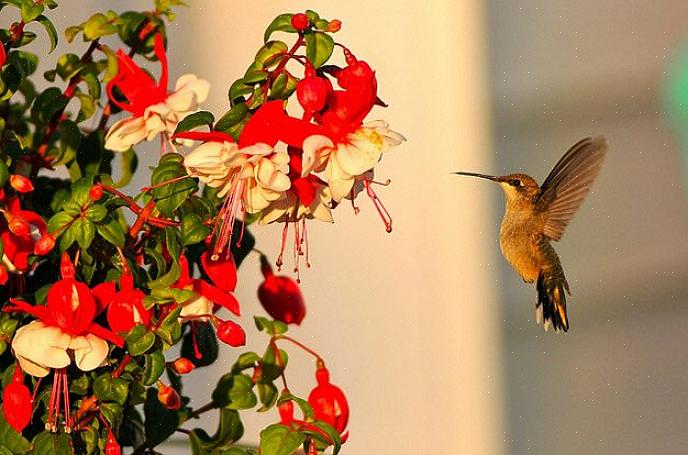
(23, 233)
(63, 332)
(125, 307)
(202, 306)
(154, 110)
(329, 402)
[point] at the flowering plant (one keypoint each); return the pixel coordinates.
(97, 286)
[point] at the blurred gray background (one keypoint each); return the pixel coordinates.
(428, 330)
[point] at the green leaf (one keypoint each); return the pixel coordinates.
(171, 195)
(139, 340)
(113, 414)
(111, 230)
(334, 439)
(30, 10)
(255, 76)
(245, 360)
(84, 232)
(170, 331)
(270, 53)
(283, 86)
(129, 163)
(47, 443)
(272, 365)
(306, 408)
(107, 388)
(160, 423)
(10, 439)
(193, 121)
(50, 30)
(68, 66)
(58, 220)
(270, 327)
(4, 173)
(95, 213)
(319, 48)
(232, 117)
(238, 89)
(98, 25)
(193, 229)
(281, 23)
(154, 367)
(24, 62)
(230, 429)
(267, 394)
(48, 104)
(234, 391)
(72, 31)
(280, 439)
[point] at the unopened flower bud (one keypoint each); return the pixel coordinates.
(17, 402)
(19, 226)
(4, 276)
(96, 192)
(169, 397)
(111, 446)
(281, 296)
(182, 366)
(231, 333)
(21, 183)
(44, 245)
(312, 93)
(300, 21)
(334, 26)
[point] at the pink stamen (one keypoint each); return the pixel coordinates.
(304, 240)
(381, 210)
(67, 410)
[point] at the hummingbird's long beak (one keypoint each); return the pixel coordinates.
(473, 174)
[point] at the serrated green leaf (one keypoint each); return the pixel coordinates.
(97, 26)
(193, 229)
(232, 117)
(111, 230)
(47, 443)
(57, 221)
(30, 10)
(107, 388)
(95, 213)
(319, 47)
(270, 53)
(281, 23)
(170, 331)
(84, 232)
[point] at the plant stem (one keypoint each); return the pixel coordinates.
(301, 345)
(205, 408)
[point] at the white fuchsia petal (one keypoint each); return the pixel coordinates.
(90, 352)
(315, 150)
(40, 347)
(125, 133)
(199, 306)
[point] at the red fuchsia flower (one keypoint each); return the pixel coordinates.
(17, 403)
(125, 307)
(202, 306)
(23, 233)
(64, 331)
(329, 402)
(154, 110)
(348, 150)
(280, 296)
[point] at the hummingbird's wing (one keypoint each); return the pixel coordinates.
(569, 182)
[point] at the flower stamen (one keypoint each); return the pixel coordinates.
(379, 206)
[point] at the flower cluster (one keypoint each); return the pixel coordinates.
(99, 287)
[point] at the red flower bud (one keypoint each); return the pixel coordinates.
(281, 296)
(96, 192)
(231, 333)
(66, 267)
(16, 402)
(44, 245)
(286, 412)
(222, 272)
(169, 397)
(182, 366)
(334, 26)
(111, 446)
(300, 21)
(4, 276)
(312, 93)
(21, 183)
(329, 403)
(19, 226)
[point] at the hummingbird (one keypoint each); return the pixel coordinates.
(537, 215)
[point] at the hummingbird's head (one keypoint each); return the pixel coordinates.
(518, 188)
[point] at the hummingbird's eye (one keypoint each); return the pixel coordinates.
(515, 182)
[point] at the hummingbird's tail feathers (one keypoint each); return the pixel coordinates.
(550, 309)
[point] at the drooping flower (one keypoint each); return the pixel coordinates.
(23, 233)
(348, 150)
(64, 331)
(17, 404)
(125, 307)
(329, 402)
(112, 447)
(202, 306)
(280, 296)
(231, 333)
(154, 110)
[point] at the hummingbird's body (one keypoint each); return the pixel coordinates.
(534, 216)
